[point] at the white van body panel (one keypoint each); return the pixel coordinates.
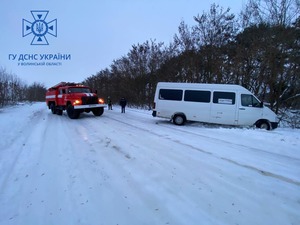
(222, 104)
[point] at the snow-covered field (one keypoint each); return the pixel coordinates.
(133, 169)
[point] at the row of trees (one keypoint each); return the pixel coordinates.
(13, 90)
(260, 51)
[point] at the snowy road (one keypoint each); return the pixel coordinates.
(132, 169)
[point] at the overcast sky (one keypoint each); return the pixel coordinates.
(92, 32)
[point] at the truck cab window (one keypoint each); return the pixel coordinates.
(79, 90)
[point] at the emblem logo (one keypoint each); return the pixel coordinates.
(39, 27)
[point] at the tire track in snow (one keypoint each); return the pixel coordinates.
(228, 142)
(260, 171)
(263, 172)
(19, 144)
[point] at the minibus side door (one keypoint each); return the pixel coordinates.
(223, 108)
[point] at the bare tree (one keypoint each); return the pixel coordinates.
(4, 79)
(275, 12)
(216, 28)
(184, 40)
(36, 92)
(213, 31)
(12, 88)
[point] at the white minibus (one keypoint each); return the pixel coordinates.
(225, 104)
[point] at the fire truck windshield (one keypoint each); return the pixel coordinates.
(79, 90)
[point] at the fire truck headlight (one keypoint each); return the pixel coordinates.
(101, 101)
(77, 102)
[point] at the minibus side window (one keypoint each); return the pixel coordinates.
(197, 96)
(170, 94)
(227, 98)
(249, 101)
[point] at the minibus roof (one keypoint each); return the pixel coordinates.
(174, 85)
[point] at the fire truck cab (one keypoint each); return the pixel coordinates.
(74, 98)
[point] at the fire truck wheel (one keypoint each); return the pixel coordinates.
(72, 113)
(52, 107)
(98, 111)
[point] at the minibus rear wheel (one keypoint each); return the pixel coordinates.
(179, 119)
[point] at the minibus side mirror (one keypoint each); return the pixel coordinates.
(261, 105)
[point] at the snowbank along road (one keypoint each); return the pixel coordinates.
(134, 169)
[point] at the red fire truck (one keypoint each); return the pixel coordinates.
(74, 98)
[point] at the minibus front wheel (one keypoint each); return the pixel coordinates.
(263, 124)
(179, 119)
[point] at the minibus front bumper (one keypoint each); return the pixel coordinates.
(274, 125)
